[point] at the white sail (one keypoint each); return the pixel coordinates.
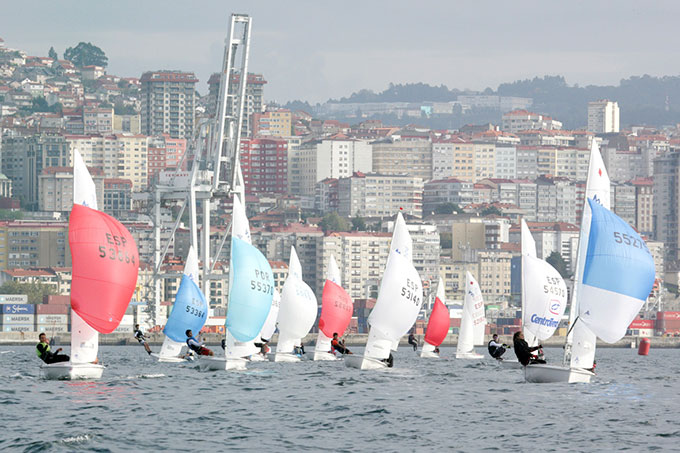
(401, 239)
(473, 318)
(298, 308)
(579, 351)
(239, 186)
(240, 226)
(397, 307)
(544, 298)
(270, 324)
(84, 339)
(528, 250)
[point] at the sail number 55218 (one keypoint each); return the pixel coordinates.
(410, 291)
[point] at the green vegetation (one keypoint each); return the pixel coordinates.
(53, 54)
(447, 208)
(34, 291)
(333, 222)
(358, 223)
(86, 54)
(491, 210)
(555, 260)
(7, 214)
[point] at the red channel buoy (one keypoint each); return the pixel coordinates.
(644, 346)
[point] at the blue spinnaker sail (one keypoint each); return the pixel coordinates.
(251, 292)
(617, 277)
(189, 312)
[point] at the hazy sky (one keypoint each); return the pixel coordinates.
(313, 50)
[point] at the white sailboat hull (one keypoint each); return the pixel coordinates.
(71, 371)
(323, 355)
(257, 358)
(428, 354)
(541, 374)
(364, 363)
(510, 364)
(469, 355)
(168, 359)
(284, 357)
(221, 364)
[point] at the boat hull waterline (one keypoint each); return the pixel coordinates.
(325, 356)
(364, 363)
(71, 371)
(546, 374)
(429, 355)
(221, 364)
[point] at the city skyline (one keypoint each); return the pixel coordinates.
(309, 54)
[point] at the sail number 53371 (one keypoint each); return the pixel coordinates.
(410, 291)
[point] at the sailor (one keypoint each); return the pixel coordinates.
(412, 341)
(497, 349)
(523, 351)
(299, 350)
(195, 345)
(139, 335)
(389, 361)
(262, 344)
(337, 345)
(47, 356)
(224, 344)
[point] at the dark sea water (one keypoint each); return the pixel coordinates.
(420, 405)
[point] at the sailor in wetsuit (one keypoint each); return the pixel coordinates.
(196, 346)
(262, 344)
(497, 349)
(139, 335)
(337, 345)
(299, 349)
(412, 341)
(44, 353)
(523, 351)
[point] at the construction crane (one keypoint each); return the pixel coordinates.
(213, 175)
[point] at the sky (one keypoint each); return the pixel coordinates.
(316, 50)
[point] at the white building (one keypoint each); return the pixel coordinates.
(603, 116)
(523, 120)
(378, 195)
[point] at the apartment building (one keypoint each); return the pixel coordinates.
(168, 103)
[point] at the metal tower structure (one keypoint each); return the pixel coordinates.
(215, 169)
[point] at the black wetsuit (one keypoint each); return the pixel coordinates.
(336, 345)
(412, 341)
(47, 356)
(523, 352)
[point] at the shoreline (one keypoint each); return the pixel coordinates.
(214, 339)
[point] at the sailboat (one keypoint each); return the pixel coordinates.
(614, 275)
(105, 268)
(399, 301)
(336, 312)
(189, 312)
(297, 312)
(437, 326)
(251, 289)
(269, 326)
(473, 322)
(544, 296)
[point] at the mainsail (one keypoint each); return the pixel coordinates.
(579, 351)
(399, 299)
(439, 322)
(473, 321)
(298, 308)
(105, 268)
(544, 293)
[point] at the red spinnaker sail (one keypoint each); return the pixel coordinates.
(336, 309)
(438, 325)
(105, 267)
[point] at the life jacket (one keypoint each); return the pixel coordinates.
(39, 353)
(492, 349)
(193, 347)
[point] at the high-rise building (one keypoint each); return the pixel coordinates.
(254, 93)
(378, 195)
(276, 123)
(264, 162)
(667, 205)
(168, 101)
(56, 188)
(603, 116)
(412, 157)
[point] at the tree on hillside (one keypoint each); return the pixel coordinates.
(358, 223)
(447, 208)
(333, 222)
(34, 291)
(85, 54)
(53, 54)
(491, 210)
(555, 260)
